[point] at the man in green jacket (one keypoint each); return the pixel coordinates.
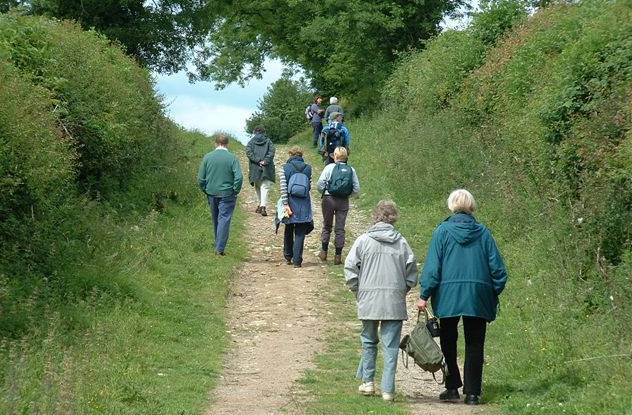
(220, 178)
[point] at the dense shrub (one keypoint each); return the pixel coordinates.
(281, 110)
(36, 172)
(104, 102)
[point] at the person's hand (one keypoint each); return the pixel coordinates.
(287, 212)
(421, 304)
(262, 163)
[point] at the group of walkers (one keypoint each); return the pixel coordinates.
(462, 276)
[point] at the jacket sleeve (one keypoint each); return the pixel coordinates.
(353, 264)
(431, 273)
(238, 177)
(411, 268)
(497, 269)
(325, 175)
(347, 135)
(250, 153)
(356, 184)
(202, 182)
(269, 158)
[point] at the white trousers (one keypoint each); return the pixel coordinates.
(262, 188)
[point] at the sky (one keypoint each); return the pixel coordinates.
(199, 106)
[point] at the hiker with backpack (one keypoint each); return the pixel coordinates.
(335, 135)
(315, 115)
(380, 269)
(333, 107)
(260, 151)
(220, 178)
(296, 181)
(463, 275)
(337, 182)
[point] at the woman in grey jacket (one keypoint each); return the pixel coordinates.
(380, 269)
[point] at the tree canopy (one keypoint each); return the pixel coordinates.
(344, 46)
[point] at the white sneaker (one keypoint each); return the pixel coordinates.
(388, 396)
(367, 388)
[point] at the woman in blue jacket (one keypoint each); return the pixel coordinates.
(296, 183)
(463, 275)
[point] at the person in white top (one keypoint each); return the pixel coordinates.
(337, 182)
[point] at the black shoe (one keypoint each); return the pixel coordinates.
(297, 265)
(471, 400)
(258, 209)
(263, 211)
(288, 261)
(449, 395)
(220, 253)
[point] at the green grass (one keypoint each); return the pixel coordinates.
(135, 328)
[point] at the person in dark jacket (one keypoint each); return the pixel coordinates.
(260, 151)
(220, 178)
(316, 116)
(463, 275)
(299, 206)
(333, 107)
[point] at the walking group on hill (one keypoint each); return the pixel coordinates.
(462, 276)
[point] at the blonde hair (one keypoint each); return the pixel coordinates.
(386, 211)
(295, 151)
(461, 200)
(340, 153)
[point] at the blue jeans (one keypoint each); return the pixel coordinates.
(221, 212)
(390, 332)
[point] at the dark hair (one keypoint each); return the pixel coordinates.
(259, 129)
(221, 139)
(317, 98)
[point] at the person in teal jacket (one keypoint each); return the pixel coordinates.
(463, 275)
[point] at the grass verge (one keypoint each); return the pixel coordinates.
(136, 328)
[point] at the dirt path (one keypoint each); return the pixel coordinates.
(276, 316)
(419, 387)
(273, 317)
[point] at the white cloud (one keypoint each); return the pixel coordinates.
(195, 113)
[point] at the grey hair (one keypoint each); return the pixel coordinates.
(333, 100)
(461, 200)
(386, 211)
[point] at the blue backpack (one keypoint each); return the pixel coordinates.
(298, 185)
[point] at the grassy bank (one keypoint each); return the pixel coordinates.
(536, 123)
(137, 327)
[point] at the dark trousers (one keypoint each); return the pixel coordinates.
(334, 207)
(293, 241)
(317, 127)
(474, 329)
(221, 212)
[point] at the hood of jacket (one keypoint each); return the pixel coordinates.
(259, 139)
(463, 228)
(384, 232)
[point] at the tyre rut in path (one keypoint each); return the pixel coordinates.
(275, 317)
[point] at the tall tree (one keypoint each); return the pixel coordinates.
(345, 46)
(160, 34)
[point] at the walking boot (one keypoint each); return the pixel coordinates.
(323, 256)
(263, 211)
(337, 259)
(450, 395)
(471, 400)
(258, 209)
